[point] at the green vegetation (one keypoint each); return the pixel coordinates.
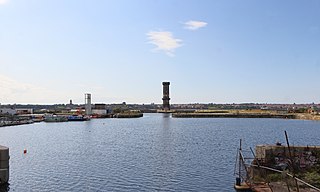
(128, 114)
(313, 178)
(258, 179)
(212, 111)
(274, 177)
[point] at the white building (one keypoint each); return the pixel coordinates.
(24, 111)
(7, 111)
(99, 111)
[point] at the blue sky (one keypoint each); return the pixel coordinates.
(119, 50)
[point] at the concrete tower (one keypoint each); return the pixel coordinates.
(166, 98)
(88, 104)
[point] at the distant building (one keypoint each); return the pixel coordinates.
(7, 111)
(24, 111)
(100, 106)
(99, 109)
(19, 111)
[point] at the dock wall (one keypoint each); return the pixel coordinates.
(128, 115)
(232, 115)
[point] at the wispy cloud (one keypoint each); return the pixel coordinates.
(2, 2)
(164, 41)
(20, 92)
(194, 25)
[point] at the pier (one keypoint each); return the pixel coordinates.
(233, 115)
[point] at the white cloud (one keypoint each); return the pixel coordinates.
(164, 41)
(194, 25)
(13, 91)
(2, 2)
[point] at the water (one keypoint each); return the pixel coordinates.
(153, 153)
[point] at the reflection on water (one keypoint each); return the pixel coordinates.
(153, 153)
(166, 115)
(4, 188)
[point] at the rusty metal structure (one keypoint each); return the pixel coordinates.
(166, 98)
(252, 174)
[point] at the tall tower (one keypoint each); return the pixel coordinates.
(88, 104)
(166, 98)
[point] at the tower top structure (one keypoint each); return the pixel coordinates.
(166, 97)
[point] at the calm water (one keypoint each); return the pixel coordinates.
(153, 153)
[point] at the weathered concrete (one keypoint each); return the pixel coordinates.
(278, 155)
(4, 164)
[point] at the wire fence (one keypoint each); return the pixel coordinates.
(258, 177)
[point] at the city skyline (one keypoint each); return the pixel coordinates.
(121, 51)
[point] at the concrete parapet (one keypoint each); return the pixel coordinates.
(4, 164)
(278, 155)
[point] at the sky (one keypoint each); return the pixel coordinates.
(211, 51)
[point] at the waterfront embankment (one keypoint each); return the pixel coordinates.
(232, 115)
(245, 114)
(306, 116)
(14, 120)
(14, 123)
(127, 115)
(109, 149)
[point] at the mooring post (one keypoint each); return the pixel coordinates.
(292, 162)
(238, 179)
(4, 164)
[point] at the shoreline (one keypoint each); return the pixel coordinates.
(247, 115)
(14, 123)
(232, 115)
(298, 116)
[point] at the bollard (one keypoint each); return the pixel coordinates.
(238, 181)
(4, 164)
